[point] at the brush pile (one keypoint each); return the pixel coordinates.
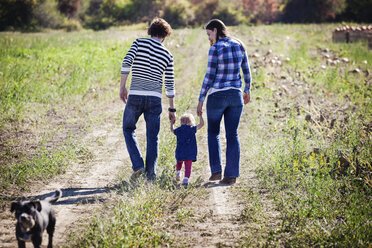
(352, 34)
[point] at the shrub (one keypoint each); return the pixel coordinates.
(228, 15)
(47, 15)
(203, 11)
(99, 14)
(143, 10)
(72, 25)
(177, 14)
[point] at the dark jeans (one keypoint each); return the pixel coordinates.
(151, 107)
(227, 104)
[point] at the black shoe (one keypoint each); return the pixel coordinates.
(228, 180)
(216, 176)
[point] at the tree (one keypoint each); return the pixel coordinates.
(269, 11)
(69, 8)
(358, 10)
(307, 11)
(177, 13)
(16, 14)
(261, 10)
(144, 10)
(204, 10)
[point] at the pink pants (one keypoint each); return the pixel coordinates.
(188, 164)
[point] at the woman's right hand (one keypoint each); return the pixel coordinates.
(246, 98)
(199, 109)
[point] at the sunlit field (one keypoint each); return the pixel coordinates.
(306, 133)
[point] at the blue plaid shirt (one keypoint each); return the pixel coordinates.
(224, 61)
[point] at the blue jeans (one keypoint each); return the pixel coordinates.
(151, 107)
(227, 104)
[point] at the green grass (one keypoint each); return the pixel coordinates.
(64, 74)
(140, 213)
(321, 201)
(130, 223)
(52, 68)
(143, 212)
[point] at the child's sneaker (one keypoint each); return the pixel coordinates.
(178, 177)
(185, 181)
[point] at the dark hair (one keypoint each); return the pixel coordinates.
(220, 26)
(221, 30)
(159, 28)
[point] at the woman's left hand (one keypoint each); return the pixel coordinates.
(199, 109)
(246, 98)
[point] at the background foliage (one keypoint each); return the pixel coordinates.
(33, 15)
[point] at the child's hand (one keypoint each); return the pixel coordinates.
(171, 125)
(201, 124)
(199, 109)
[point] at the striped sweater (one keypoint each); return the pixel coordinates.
(149, 60)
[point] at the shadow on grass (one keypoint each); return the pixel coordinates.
(92, 195)
(88, 195)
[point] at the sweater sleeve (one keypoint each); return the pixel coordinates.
(169, 79)
(129, 58)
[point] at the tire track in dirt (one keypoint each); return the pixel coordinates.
(215, 219)
(218, 220)
(84, 186)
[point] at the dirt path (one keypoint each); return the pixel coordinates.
(216, 219)
(83, 186)
(228, 216)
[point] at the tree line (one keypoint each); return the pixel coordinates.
(35, 15)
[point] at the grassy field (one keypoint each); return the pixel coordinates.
(50, 85)
(306, 133)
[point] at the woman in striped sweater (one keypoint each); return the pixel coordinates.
(149, 60)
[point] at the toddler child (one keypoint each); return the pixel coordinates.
(186, 150)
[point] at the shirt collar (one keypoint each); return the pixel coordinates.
(156, 40)
(224, 39)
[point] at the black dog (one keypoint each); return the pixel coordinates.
(33, 217)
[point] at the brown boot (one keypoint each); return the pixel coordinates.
(136, 174)
(228, 180)
(216, 176)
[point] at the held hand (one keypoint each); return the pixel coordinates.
(199, 109)
(172, 117)
(246, 98)
(123, 94)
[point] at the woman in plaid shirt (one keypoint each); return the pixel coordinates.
(224, 85)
